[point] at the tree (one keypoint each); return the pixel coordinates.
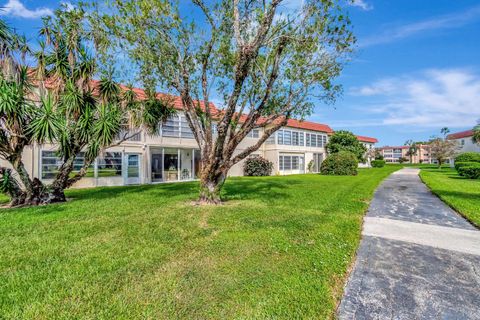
(66, 107)
(266, 64)
(346, 141)
(412, 149)
(402, 160)
(442, 148)
(476, 134)
(378, 155)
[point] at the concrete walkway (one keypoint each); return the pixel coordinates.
(418, 259)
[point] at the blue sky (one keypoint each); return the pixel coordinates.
(416, 69)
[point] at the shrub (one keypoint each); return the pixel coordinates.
(460, 164)
(378, 163)
(402, 159)
(257, 166)
(468, 157)
(343, 163)
(471, 171)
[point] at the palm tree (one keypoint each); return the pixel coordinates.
(412, 149)
(70, 111)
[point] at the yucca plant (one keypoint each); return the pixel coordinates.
(69, 109)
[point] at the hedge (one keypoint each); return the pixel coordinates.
(257, 166)
(377, 163)
(343, 163)
(460, 164)
(471, 171)
(468, 157)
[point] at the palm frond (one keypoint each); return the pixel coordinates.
(47, 123)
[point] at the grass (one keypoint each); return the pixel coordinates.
(279, 248)
(460, 193)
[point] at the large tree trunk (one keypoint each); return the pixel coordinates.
(60, 182)
(211, 183)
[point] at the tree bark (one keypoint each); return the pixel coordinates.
(211, 183)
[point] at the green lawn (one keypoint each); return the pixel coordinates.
(460, 193)
(278, 249)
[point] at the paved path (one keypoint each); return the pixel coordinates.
(418, 259)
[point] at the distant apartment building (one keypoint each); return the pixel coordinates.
(172, 154)
(393, 154)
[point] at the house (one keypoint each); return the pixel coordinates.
(392, 154)
(465, 141)
(172, 154)
(369, 143)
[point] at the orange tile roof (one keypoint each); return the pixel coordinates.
(178, 104)
(367, 139)
(308, 125)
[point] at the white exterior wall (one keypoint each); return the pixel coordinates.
(467, 145)
(146, 144)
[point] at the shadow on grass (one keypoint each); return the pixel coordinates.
(267, 189)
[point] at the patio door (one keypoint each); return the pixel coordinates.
(132, 174)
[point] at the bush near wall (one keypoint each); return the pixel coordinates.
(470, 171)
(468, 157)
(257, 166)
(459, 164)
(377, 163)
(343, 163)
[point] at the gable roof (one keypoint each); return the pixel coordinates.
(459, 135)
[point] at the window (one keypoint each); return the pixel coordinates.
(271, 139)
(288, 137)
(463, 142)
(51, 162)
(255, 133)
(171, 128)
(185, 130)
(287, 162)
(110, 165)
(133, 135)
(316, 140)
(177, 126)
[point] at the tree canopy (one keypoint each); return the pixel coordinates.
(264, 63)
(343, 140)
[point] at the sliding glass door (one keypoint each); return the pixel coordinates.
(173, 164)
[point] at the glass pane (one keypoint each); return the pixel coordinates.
(157, 165)
(133, 166)
(171, 128)
(186, 131)
(170, 164)
(110, 165)
(295, 163)
(186, 164)
(287, 137)
(280, 137)
(287, 162)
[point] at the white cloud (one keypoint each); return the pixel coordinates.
(432, 98)
(449, 21)
(15, 8)
(361, 4)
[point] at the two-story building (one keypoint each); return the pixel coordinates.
(392, 154)
(172, 154)
(465, 141)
